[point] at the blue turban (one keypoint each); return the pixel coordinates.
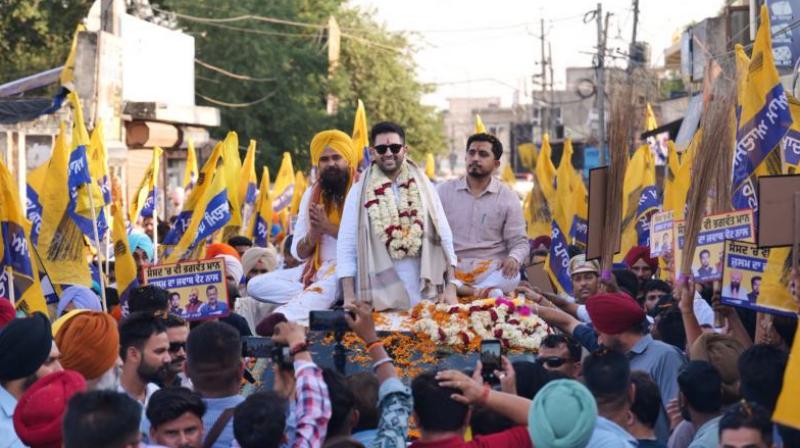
(138, 240)
(82, 297)
(562, 415)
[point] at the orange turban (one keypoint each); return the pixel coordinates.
(89, 344)
(212, 250)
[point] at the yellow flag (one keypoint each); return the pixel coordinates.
(190, 172)
(776, 285)
(571, 192)
(527, 155)
(68, 72)
(300, 185)
(670, 172)
(430, 166)
(124, 266)
(232, 167)
(508, 176)
(247, 177)
(60, 240)
(537, 213)
(787, 412)
(650, 122)
(545, 171)
(16, 257)
(284, 185)
(479, 126)
(261, 221)
(144, 203)
(640, 177)
(683, 180)
(360, 132)
(98, 162)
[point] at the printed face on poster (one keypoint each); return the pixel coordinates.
(197, 289)
(743, 273)
(715, 229)
(661, 234)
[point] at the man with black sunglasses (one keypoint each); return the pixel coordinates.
(395, 246)
(177, 334)
(486, 218)
(561, 353)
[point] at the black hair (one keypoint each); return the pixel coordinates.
(748, 415)
(554, 340)
(485, 421)
(531, 377)
(365, 386)
(671, 329)
(761, 374)
(136, 329)
(100, 418)
(148, 298)
(386, 127)
(647, 399)
(497, 147)
(173, 320)
(435, 410)
(786, 327)
(173, 294)
(607, 374)
(704, 251)
(166, 405)
(210, 287)
(701, 384)
(627, 282)
(260, 420)
(112, 297)
(240, 240)
(214, 356)
(752, 280)
(342, 401)
(656, 285)
(789, 435)
(573, 250)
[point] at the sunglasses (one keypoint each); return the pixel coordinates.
(553, 362)
(175, 347)
(395, 148)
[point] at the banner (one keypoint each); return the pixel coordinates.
(743, 273)
(197, 289)
(707, 265)
(661, 226)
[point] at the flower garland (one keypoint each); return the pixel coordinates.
(464, 326)
(397, 222)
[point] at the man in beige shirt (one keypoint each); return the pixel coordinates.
(487, 223)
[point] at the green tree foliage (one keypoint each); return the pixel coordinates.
(35, 35)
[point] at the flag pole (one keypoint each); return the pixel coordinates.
(97, 241)
(11, 293)
(155, 222)
(107, 209)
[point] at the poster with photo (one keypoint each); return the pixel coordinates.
(661, 225)
(715, 229)
(197, 289)
(742, 274)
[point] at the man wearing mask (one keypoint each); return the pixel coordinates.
(487, 223)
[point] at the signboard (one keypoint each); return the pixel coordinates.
(197, 289)
(743, 270)
(783, 15)
(661, 234)
(715, 229)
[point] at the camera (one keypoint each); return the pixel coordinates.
(491, 352)
(328, 320)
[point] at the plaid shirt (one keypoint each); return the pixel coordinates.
(312, 406)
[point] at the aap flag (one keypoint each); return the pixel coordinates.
(558, 260)
(648, 205)
(78, 176)
(579, 231)
(33, 211)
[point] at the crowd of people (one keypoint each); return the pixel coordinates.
(633, 360)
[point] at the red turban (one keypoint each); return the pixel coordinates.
(614, 313)
(542, 240)
(7, 312)
(212, 250)
(641, 253)
(89, 344)
(40, 410)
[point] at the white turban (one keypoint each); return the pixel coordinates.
(233, 267)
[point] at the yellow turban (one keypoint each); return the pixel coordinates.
(337, 141)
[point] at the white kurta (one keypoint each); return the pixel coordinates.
(407, 268)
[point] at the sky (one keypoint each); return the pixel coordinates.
(476, 48)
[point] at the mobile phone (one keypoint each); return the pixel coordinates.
(491, 351)
(257, 347)
(328, 320)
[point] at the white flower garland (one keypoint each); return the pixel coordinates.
(397, 222)
(509, 321)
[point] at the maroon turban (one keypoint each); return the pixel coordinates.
(40, 410)
(542, 240)
(641, 253)
(7, 312)
(614, 313)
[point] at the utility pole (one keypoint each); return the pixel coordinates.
(545, 118)
(601, 84)
(552, 78)
(631, 62)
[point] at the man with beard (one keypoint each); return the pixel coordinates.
(315, 234)
(177, 334)
(144, 349)
(89, 344)
(486, 219)
(395, 244)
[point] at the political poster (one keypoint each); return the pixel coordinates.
(197, 289)
(743, 272)
(715, 229)
(661, 234)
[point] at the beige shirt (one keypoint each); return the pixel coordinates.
(487, 227)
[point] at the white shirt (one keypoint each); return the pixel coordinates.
(327, 251)
(407, 268)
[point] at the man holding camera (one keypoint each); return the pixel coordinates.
(395, 245)
(318, 224)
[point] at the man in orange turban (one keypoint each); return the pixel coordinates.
(317, 227)
(89, 344)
